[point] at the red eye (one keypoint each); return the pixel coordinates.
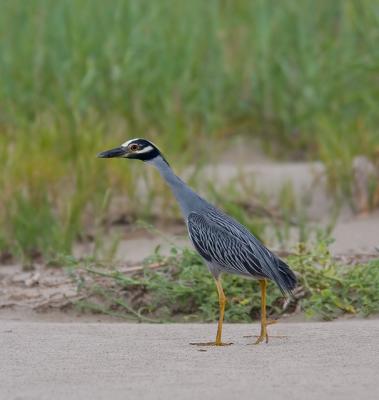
(134, 147)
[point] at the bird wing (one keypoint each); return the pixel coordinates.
(222, 246)
(222, 240)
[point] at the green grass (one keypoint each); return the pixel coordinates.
(183, 289)
(77, 76)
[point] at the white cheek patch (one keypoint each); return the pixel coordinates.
(145, 150)
(126, 144)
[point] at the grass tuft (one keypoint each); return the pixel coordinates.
(184, 290)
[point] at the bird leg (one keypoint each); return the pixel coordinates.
(264, 335)
(264, 321)
(222, 302)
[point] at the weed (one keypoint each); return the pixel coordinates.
(335, 289)
(184, 289)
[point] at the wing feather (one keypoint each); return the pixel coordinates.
(223, 241)
(218, 245)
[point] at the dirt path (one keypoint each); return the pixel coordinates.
(42, 360)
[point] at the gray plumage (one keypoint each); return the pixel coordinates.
(225, 244)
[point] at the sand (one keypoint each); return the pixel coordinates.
(43, 360)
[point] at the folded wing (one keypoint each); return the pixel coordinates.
(223, 241)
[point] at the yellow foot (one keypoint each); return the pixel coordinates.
(261, 338)
(264, 335)
(211, 344)
(271, 336)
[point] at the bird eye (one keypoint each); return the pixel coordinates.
(134, 147)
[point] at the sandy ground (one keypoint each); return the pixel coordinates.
(42, 360)
(357, 234)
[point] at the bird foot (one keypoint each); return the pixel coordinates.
(261, 338)
(211, 344)
(271, 336)
(264, 335)
(268, 322)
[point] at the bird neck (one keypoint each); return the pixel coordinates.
(186, 197)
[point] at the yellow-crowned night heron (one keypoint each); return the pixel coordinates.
(224, 244)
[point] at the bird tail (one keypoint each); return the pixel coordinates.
(285, 278)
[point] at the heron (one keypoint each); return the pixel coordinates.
(225, 245)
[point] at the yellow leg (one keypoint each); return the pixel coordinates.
(222, 302)
(264, 335)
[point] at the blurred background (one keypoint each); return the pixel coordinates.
(267, 108)
(237, 94)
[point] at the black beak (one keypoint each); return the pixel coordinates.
(116, 152)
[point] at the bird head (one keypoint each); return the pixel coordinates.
(139, 149)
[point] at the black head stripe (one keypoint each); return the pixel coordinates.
(149, 155)
(154, 152)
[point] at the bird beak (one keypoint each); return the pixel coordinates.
(116, 152)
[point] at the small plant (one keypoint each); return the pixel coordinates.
(333, 289)
(182, 288)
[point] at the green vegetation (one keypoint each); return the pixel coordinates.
(182, 288)
(79, 76)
